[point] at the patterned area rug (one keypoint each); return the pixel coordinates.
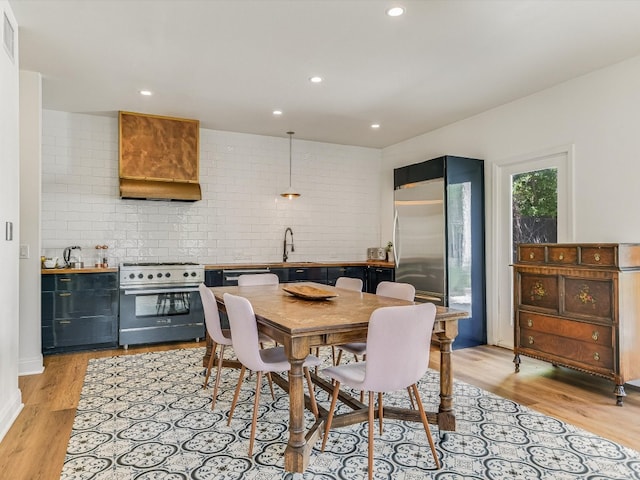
(146, 417)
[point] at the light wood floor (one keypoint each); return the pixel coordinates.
(34, 448)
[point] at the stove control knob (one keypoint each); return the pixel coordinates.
(193, 274)
(185, 274)
(160, 275)
(140, 275)
(167, 274)
(150, 276)
(131, 275)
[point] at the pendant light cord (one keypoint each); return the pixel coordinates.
(290, 146)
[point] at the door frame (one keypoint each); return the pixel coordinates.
(500, 306)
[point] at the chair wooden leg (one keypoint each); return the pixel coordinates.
(210, 365)
(333, 355)
(425, 422)
(312, 394)
(218, 374)
(371, 420)
(235, 396)
(334, 399)
(413, 405)
(339, 356)
(317, 355)
(380, 411)
(273, 395)
(255, 411)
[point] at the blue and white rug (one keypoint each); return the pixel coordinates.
(146, 417)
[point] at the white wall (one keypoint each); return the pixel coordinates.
(10, 398)
(598, 113)
(241, 217)
(30, 350)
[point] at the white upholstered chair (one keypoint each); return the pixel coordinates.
(397, 357)
(244, 331)
(402, 291)
(218, 337)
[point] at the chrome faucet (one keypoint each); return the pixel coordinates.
(284, 245)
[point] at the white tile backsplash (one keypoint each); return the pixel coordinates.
(241, 217)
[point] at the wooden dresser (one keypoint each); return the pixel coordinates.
(578, 305)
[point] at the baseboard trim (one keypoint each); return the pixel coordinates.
(30, 366)
(10, 411)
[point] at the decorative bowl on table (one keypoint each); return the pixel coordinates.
(309, 292)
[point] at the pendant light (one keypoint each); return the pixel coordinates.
(290, 193)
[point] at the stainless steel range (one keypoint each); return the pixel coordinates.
(159, 302)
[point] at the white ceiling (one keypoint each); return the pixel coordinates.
(230, 63)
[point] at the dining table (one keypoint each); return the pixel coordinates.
(301, 323)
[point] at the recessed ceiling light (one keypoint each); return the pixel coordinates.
(277, 112)
(146, 93)
(315, 79)
(375, 125)
(395, 11)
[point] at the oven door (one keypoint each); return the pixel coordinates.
(152, 315)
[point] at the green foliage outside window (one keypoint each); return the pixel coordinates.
(535, 194)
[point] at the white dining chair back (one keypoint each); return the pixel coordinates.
(397, 357)
(218, 337)
(212, 316)
(349, 283)
(402, 291)
(244, 330)
(250, 279)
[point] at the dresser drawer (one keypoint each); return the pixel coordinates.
(562, 255)
(599, 256)
(574, 351)
(540, 291)
(588, 298)
(584, 332)
(531, 254)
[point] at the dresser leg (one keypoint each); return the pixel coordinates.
(516, 360)
(620, 394)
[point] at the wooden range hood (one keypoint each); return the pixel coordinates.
(159, 158)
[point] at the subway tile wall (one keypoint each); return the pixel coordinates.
(241, 217)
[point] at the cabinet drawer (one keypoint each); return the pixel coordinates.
(85, 331)
(588, 298)
(585, 332)
(540, 291)
(601, 256)
(562, 255)
(590, 354)
(531, 254)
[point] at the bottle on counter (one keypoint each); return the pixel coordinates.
(102, 260)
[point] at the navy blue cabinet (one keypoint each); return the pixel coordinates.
(375, 275)
(333, 273)
(79, 311)
(213, 278)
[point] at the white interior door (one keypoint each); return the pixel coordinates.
(501, 325)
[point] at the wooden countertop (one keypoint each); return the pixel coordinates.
(49, 271)
(237, 266)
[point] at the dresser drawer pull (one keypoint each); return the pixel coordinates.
(597, 257)
(595, 335)
(532, 255)
(529, 322)
(65, 322)
(596, 356)
(65, 279)
(64, 294)
(561, 257)
(530, 340)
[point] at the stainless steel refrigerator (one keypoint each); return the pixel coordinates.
(438, 238)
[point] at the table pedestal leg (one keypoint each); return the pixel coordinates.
(296, 455)
(446, 416)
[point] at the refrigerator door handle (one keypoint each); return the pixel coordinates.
(395, 229)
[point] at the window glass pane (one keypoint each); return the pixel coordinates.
(535, 207)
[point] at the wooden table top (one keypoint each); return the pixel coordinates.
(299, 317)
